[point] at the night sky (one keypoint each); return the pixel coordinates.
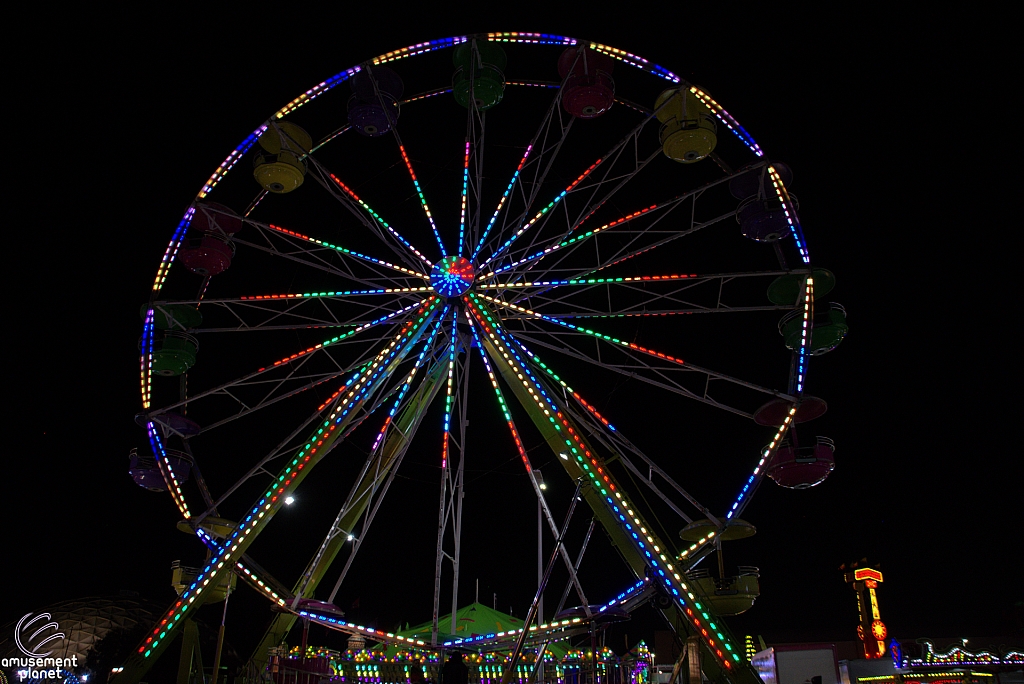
(884, 122)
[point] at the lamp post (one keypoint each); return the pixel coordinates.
(538, 477)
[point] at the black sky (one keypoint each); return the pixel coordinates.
(884, 119)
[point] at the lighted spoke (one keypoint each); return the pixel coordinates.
(296, 311)
(607, 433)
(598, 183)
(525, 459)
(612, 155)
(377, 218)
(345, 251)
(658, 211)
(255, 376)
(539, 140)
(408, 380)
(634, 295)
(366, 215)
(632, 347)
(539, 215)
(408, 165)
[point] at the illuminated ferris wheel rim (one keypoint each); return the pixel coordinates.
(472, 291)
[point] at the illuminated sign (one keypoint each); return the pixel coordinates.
(867, 574)
(871, 631)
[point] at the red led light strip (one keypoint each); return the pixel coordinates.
(542, 212)
(607, 338)
(380, 220)
(565, 243)
(536, 392)
(343, 250)
(287, 478)
(587, 281)
(419, 192)
(348, 334)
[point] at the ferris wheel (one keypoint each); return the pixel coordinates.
(500, 223)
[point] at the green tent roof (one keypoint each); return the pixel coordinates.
(476, 619)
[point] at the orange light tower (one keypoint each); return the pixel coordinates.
(871, 630)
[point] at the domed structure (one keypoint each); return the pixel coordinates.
(84, 622)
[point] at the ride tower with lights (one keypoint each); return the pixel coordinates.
(575, 254)
(871, 631)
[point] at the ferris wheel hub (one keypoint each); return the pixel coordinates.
(453, 276)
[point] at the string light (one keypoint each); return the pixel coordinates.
(465, 193)
(350, 252)
(291, 475)
(618, 505)
(551, 205)
(348, 191)
(569, 241)
(501, 202)
(423, 200)
(167, 470)
(802, 353)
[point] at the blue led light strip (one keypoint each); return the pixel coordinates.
(622, 508)
(768, 453)
(540, 214)
(727, 119)
(230, 161)
(241, 570)
(448, 397)
(790, 211)
(352, 628)
(172, 249)
(377, 217)
(755, 478)
(146, 360)
(465, 194)
(167, 470)
(408, 380)
(588, 281)
(418, 49)
(316, 91)
(805, 336)
(338, 293)
(343, 387)
(587, 331)
(534, 38)
(291, 475)
(640, 584)
(343, 250)
(566, 241)
(501, 202)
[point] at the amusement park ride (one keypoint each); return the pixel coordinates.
(607, 181)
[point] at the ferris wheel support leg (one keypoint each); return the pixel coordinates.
(703, 661)
(394, 447)
(510, 669)
(556, 441)
(191, 659)
(648, 556)
(294, 472)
